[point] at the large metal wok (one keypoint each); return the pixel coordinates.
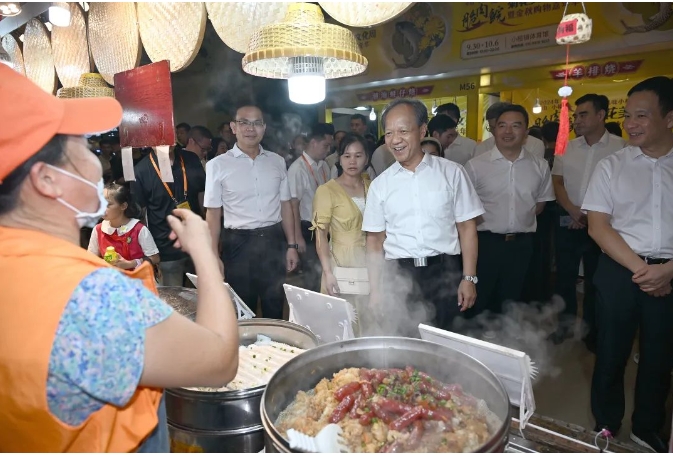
(446, 364)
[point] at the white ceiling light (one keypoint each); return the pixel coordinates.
(10, 9)
(537, 108)
(304, 50)
(84, 5)
(48, 25)
(21, 38)
(59, 14)
(361, 108)
(434, 107)
(372, 115)
(306, 83)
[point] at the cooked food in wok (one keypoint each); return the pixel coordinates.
(391, 410)
(257, 362)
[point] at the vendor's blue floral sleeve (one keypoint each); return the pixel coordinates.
(97, 355)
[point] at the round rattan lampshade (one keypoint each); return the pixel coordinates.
(364, 14)
(172, 31)
(235, 22)
(114, 38)
(70, 48)
(91, 85)
(14, 50)
(303, 33)
(38, 57)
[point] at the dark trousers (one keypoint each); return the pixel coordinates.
(415, 295)
(310, 263)
(501, 268)
(254, 265)
(538, 286)
(622, 308)
(572, 246)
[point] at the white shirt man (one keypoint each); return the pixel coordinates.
(248, 188)
(513, 185)
(579, 161)
(630, 216)
(420, 216)
(570, 178)
(532, 144)
(249, 191)
(305, 175)
(509, 190)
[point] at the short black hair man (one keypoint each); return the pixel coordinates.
(358, 124)
(630, 216)
(181, 132)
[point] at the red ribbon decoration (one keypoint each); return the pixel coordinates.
(564, 117)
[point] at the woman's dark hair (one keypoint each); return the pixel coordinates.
(52, 153)
(536, 132)
(122, 195)
(347, 141)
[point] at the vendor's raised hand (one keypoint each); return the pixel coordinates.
(190, 231)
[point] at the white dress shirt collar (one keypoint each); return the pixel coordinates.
(426, 161)
(496, 154)
(237, 152)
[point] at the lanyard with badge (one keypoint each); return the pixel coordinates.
(310, 169)
(182, 205)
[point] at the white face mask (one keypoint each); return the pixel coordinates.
(85, 219)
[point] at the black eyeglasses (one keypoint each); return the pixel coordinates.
(247, 123)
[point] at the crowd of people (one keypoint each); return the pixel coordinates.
(423, 226)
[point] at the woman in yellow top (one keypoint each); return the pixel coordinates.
(338, 207)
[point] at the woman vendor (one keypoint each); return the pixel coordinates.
(85, 350)
(122, 230)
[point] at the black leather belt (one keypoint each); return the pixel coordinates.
(507, 237)
(259, 232)
(654, 261)
(423, 262)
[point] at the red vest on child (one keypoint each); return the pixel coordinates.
(126, 245)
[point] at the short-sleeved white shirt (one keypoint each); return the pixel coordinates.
(419, 210)
(636, 191)
(249, 191)
(145, 239)
(579, 162)
(461, 150)
(532, 145)
(305, 182)
(510, 190)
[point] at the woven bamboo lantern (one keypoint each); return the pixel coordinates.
(364, 14)
(235, 22)
(91, 85)
(185, 20)
(114, 37)
(37, 56)
(304, 50)
(14, 52)
(71, 48)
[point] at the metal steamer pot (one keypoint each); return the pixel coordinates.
(445, 364)
(228, 421)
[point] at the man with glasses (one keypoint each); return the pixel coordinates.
(513, 185)
(199, 142)
(249, 186)
(532, 144)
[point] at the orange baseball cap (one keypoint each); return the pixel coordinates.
(30, 117)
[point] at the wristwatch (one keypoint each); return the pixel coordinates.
(293, 245)
(471, 278)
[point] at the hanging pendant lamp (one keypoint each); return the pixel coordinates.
(304, 50)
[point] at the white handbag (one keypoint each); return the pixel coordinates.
(574, 28)
(352, 280)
